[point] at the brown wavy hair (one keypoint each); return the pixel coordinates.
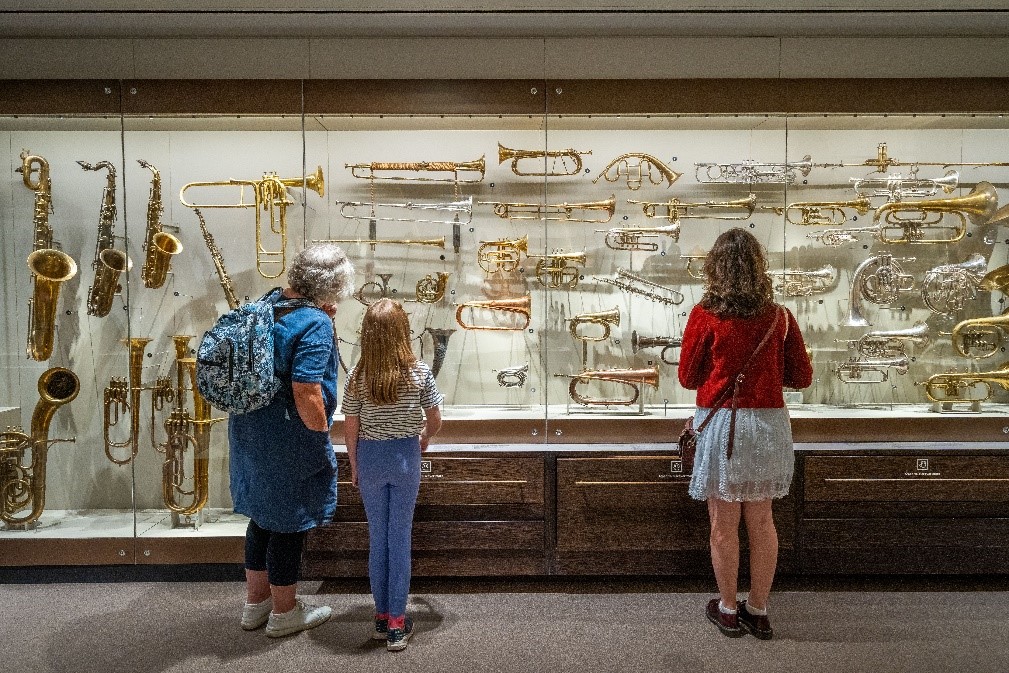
(737, 282)
(386, 357)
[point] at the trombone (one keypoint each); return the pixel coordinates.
(519, 305)
(634, 167)
(386, 170)
(453, 209)
(675, 210)
(632, 378)
(629, 238)
(540, 157)
(556, 212)
(605, 319)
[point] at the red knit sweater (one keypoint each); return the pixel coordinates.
(715, 349)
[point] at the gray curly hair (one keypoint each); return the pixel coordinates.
(322, 273)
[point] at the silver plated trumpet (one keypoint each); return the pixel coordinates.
(896, 187)
(871, 370)
(799, 283)
(888, 344)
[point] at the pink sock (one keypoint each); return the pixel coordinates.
(381, 615)
(397, 622)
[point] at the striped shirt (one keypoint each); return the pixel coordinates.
(404, 418)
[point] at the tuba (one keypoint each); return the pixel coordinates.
(897, 188)
(822, 213)
(556, 212)
(108, 262)
(871, 370)
(979, 205)
(416, 170)
(951, 387)
(946, 288)
(675, 210)
(878, 279)
(159, 246)
(633, 378)
(749, 172)
(980, 338)
(634, 167)
(890, 343)
(798, 283)
(558, 163)
(24, 486)
(519, 305)
(502, 254)
(629, 238)
(630, 283)
(667, 344)
(602, 318)
(559, 269)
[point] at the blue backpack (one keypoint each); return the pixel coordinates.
(234, 363)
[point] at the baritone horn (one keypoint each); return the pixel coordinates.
(972, 387)
(553, 163)
(634, 167)
(632, 378)
(502, 254)
(517, 306)
(630, 238)
(604, 319)
(675, 210)
(124, 394)
(913, 222)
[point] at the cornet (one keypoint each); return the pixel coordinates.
(513, 377)
(629, 238)
(666, 343)
(603, 318)
(633, 378)
(871, 370)
(634, 167)
(946, 288)
(556, 212)
(879, 279)
(540, 158)
(822, 213)
(559, 269)
(453, 211)
(980, 338)
(889, 344)
(502, 254)
(798, 283)
(896, 187)
(628, 282)
(953, 387)
(750, 172)
(378, 170)
(519, 305)
(979, 205)
(675, 210)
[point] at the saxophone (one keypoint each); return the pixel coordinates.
(108, 262)
(49, 267)
(23, 485)
(159, 246)
(215, 254)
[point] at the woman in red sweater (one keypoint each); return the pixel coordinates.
(722, 333)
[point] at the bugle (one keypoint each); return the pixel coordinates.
(517, 306)
(452, 211)
(417, 171)
(604, 319)
(552, 163)
(630, 283)
(556, 212)
(675, 210)
(871, 370)
(632, 378)
(630, 238)
(972, 387)
(559, 269)
(947, 287)
(667, 344)
(979, 206)
(634, 167)
(502, 255)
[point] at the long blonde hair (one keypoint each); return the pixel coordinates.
(386, 357)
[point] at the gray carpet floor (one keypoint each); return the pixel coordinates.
(179, 627)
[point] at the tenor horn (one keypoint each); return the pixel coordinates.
(979, 206)
(541, 157)
(632, 378)
(604, 319)
(518, 305)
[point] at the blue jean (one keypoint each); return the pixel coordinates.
(388, 476)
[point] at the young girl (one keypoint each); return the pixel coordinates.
(391, 408)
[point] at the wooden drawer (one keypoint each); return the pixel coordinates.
(436, 535)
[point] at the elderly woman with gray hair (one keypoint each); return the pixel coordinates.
(283, 470)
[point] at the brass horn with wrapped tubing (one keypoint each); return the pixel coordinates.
(878, 279)
(632, 378)
(159, 245)
(109, 262)
(604, 319)
(871, 370)
(947, 287)
(896, 187)
(800, 283)
(822, 213)
(980, 338)
(547, 160)
(431, 289)
(556, 212)
(519, 305)
(978, 206)
(124, 394)
(513, 377)
(675, 210)
(634, 167)
(953, 387)
(389, 170)
(667, 344)
(559, 269)
(883, 344)
(24, 486)
(502, 255)
(630, 238)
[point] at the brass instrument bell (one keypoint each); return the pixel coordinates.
(559, 269)
(518, 305)
(667, 344)
(547, 160)
(605, 319)
(632, 378)
(979, 206)
(952, 387)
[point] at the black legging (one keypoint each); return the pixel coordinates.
(277, 553)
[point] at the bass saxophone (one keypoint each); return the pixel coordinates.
(159, 246)
(49, 267)
(108, 262)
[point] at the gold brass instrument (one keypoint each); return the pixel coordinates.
(604, 319)
(947, 287)
(513, 377)
(519, 305)
(996, 280)
(559, 269)
(382, 285)
(24, 486)
(556, 212)
(122, 394)
(634, 167)
(385, 170)
(871, 370)
(749, 172)
(799, 283)
(439, 337)
(885, 344)
(980, 338)
(108, 262)
(667, 344)
(633, 378)
(879, 279)
(979, 205)
(822, 213)
(432, 290)
(695, 257)
(433, 242)
(675, 210)
(896, 187)
(628, 282)
(502, 254)
(215, 254)
(159, 245)
(33, 164)
(951, 387)
(453, 210)
(270, 196)
(882, 162)
(629, 238)
(547, 160)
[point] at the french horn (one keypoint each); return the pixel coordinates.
(947, 287)
(604, 319)
(552, 163)
(431, 290)
(878, 279)
(634, 379)
(517, 306)
(634, 167)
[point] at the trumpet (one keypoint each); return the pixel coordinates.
(946, 288)
(879, 279)
(675, 210)
(633, 378)
(822, 213)
(883, 161)
(108, 263)
(432, 290)
(559, 269)
(750, 172)
(871, 370)
(540, 157)
(452, 209)
(432, 242)
(979, 205)
(269, 195)
(626, 281)
(379, 170)
(888, 344)
(556, 212)
(836, 237)
(604, 319)
(634, 167)
(798, 283)
(502, 254)
(159, 245)
(513, 377)
(666, 343)
(518, 305)
(980, 338)
(629, 238)
(953, 387)
(896, 187)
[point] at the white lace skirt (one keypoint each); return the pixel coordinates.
(762, 460)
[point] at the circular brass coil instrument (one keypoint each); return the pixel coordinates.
(946, 288)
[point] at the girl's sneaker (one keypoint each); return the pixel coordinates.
(381, 631)
(397, 638)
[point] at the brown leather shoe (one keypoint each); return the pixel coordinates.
(758, 626)
(727, 624)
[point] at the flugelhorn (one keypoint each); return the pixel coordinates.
(556, 212)
(630, 238)
(822, 213)
(799, 283)
(24, 486)
(552, 163)
(667, 344)
(888, 344)
(159, 245)
(947, 287)
(750, 172)
(634, 167)
(417, 171)
(980, 338)
(270, 195)
(633, 378)
(109, 262)
(879, 279)
(951, 387)
(452, 211)
(979, 206)
(675, 210)
(431, 242)
(513, 377)
(896, 187)
(502, 255)
(519, 305)
(628, 282)
(604, 319)
(871, 370)
(559, 269)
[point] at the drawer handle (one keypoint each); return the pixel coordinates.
(624, 483)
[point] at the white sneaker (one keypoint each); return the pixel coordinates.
(255, 615)
(299, 618)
